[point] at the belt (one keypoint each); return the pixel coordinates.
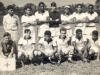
(78, 26)
(90, 26)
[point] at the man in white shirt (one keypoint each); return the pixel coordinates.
(29, 21)
(67, 20)
(94, 45)
(11, 22)
(46, 47)
(92, 19)
(62, 46)
(79, 43)
(79, 19)
(26, 45)
(42, 17)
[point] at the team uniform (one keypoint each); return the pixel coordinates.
(79, 43)
(7, 47)
(29, 19)
(10, 24)
(81, 17)
(47, 46)
(67, 26)
(90, 26)
(94, 45)
(26, 45)
(54, 26)
(42, 27)
(63, 45)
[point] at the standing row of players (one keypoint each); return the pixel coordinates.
(49, 26)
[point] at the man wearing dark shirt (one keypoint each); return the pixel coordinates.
(7, 46)
(55, 20)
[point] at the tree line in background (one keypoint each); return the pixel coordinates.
(20, 10)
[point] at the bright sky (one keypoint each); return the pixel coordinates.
(47, 2)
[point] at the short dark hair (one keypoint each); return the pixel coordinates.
(10, 7)
(47, 32)
(53, 4)
(27, 6)
(95, 32)
(6, 34)
(90, 5)
(79, 5)
(41, 3)
(63, 29)
(27, 30)
(78, 30)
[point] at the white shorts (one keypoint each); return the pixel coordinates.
(82, 28)
(14, 34)
(88, 30)
(55, 31)
(27, 53)
(50, 52)
(67, 50)
(95, 49)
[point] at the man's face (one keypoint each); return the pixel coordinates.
(27, 35)
(79, 34)
(28, 11)
(90, 9)
(67, 11)
(53, 8)
(47, 37)
(7, 38)
(79, 8)
(94, 37)
(63, 34)
(11, 12)
(41, 7)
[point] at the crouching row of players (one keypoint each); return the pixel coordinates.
(53, 48)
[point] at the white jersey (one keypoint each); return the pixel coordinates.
(29, 19)
(91, 17)
(66, 18)
(80, 16)
(42, 16)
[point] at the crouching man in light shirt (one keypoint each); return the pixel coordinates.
(11, 22)
(61, 44)
(79, 42)
(26, 45)
(94, 45)
(46, 47)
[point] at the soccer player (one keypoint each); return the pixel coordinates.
(8, 47)
(61, 44)
(26, 45)
(46, 47)
(79, 18)
(28, 20)
(94, 45)
(55, 20)
(79, 43)
(42, 17)
(11, 22)
(92, 17)
(67, 20)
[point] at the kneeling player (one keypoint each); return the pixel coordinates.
(61, 44)
(94, 45)
(79, 42)
(26, 45)
(45, 46)
(8, 47)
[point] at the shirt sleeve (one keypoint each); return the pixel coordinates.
(33, 41)
(18, 22)
(73, 38)
(23, 19)
(4, 22)
(41, 41)
(84, 38)
(55, 42)
(20, 41)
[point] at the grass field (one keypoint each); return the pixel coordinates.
(92, 68)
